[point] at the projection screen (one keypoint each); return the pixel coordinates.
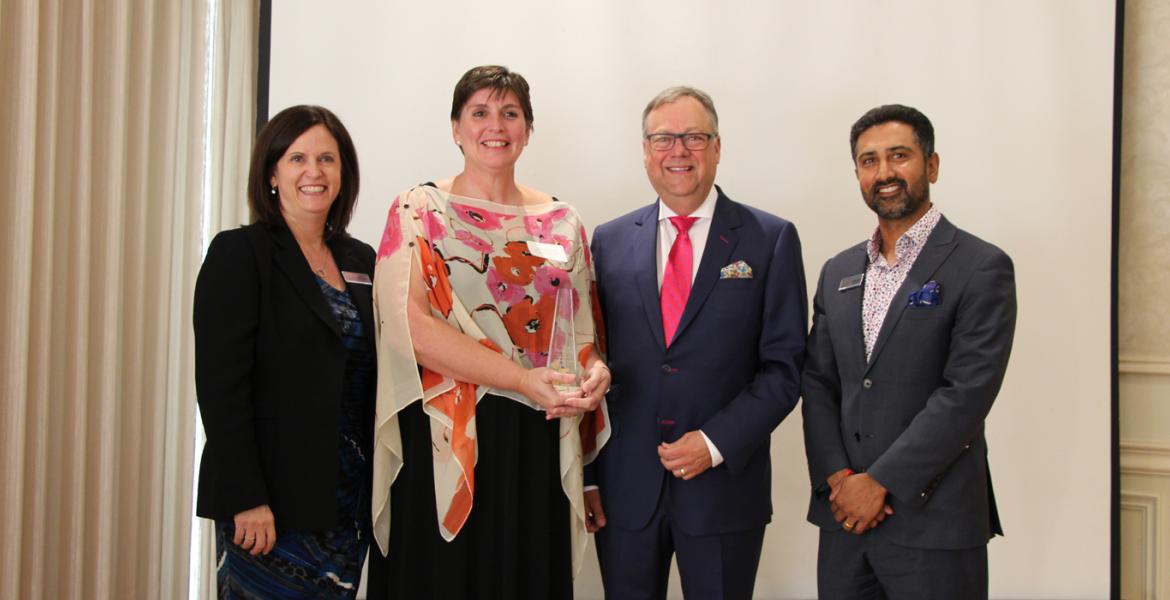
(1021, 95)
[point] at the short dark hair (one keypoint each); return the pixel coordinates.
(273, 141)
(500, 80)
(923, 130)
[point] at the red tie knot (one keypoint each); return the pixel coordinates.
(683, 224)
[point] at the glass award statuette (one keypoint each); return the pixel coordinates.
(562, 344)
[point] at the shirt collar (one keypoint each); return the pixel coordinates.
(914, 238)
(706, 210)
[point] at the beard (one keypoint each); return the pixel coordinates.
(900, 206)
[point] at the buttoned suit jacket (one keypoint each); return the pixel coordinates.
(913, 415)
(269, 375)
(731, 371)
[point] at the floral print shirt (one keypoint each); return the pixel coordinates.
(882, 279)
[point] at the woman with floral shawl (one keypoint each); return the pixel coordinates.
(478, 453)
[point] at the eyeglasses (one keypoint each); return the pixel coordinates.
(691, 140)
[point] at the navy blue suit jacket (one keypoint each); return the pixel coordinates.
(732, 371)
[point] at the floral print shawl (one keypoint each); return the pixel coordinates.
(483, 278)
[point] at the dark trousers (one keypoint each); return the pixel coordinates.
(635, 565)
(869, 567)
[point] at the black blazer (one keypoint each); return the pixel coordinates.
(269, 371)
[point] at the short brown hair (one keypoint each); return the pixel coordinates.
(277, 135)
(500, 80)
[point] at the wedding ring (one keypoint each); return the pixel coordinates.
(848, 525)
(682, 472)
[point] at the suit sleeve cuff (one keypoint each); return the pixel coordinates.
(716, 456)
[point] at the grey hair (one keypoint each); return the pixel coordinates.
(673, 94)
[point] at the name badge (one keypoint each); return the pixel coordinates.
(553, 252)
(850, 282)
(351, 277)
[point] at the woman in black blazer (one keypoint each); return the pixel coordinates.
(284, 370)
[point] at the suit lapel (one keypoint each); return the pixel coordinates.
(721, 240)
(645, 259)
(853, 298)
(360, 294)
(938, 246)
(292, 263)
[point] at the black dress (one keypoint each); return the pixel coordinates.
(516, 541)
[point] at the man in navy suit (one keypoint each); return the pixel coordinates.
(705, 310)
(911, 335)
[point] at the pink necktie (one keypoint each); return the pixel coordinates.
(676, 279)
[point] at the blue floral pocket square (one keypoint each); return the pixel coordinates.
(929, 295)
(736, 270)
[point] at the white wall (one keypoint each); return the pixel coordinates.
(1021, 97)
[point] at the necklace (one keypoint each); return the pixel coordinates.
(323, 261)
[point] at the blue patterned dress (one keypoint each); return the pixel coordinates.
(318, 564)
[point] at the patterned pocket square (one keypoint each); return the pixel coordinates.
(736, 270)
(929, 295)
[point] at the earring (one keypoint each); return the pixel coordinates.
(272, 191)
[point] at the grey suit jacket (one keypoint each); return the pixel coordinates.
(913, 416)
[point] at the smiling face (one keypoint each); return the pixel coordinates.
(308, 176)
(491, 129)
(893, 173)
(682, 177)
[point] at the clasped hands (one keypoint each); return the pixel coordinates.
(538, 383)
(858, 501)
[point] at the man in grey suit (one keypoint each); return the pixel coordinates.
(911, 335)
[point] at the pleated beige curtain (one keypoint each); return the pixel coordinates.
(231, 121)
(232, 116)
(105, 153)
